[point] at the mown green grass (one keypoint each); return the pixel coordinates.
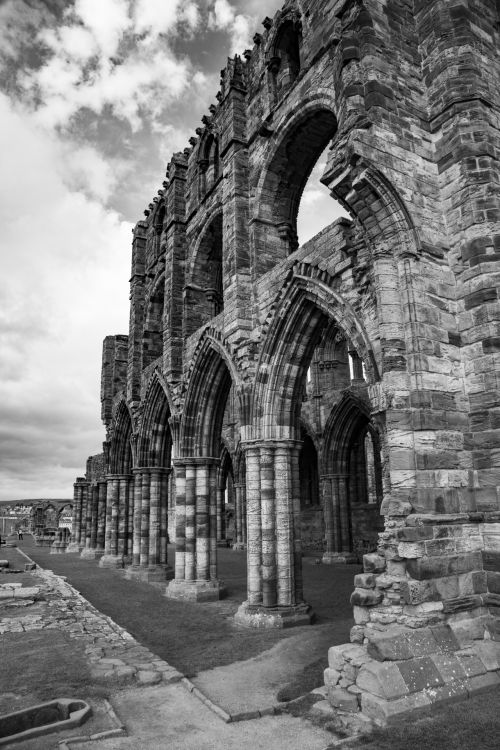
(468, 725)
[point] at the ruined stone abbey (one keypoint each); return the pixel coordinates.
(341, 397)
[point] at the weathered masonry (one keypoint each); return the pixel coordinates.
(341, 396)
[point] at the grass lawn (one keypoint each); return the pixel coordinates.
(469, 725)
(195, 637)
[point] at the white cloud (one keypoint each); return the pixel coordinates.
(154, 17)
(107, 21)
(65, 265)
(223, 16)
(111, 53)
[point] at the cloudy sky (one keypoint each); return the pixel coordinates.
(95, 95)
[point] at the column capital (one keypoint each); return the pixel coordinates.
(152, 470)
(272, 443)
(196, 461)
(110, 477)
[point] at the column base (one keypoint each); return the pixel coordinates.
(74, 547)
(195, 591)
(239, 545)
(149, 575)
(91, 554)
(58, 548)
(258, 616)
(339, 558)
(111, 561)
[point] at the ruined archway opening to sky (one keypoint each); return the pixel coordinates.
(289, 181)
(317, 208)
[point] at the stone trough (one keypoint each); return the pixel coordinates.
(44, 718)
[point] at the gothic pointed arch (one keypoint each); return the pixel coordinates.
(284, 62)
(204, 291)
(152, 340)
(210, 379)
(294, 147)
(208, 161)
(120, 453)
(155, 439)
(297, 326)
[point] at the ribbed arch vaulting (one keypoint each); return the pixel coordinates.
(351, 416)
(288, 351)
(121, 449)
(209, 385)
(155, 441)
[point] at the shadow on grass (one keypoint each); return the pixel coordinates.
(469, 725)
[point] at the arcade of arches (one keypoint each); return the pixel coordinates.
(340, 397)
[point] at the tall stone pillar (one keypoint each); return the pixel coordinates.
(275, 597)
(124, 496)
(164, 505)
(220, 515)
(136, 541)
(91, 531)
(111, 558)
(337, 521)
(244, 516)
(150, 528)
(74, 545)
(196, 531)
(239, 517)
(101, 518)
(84, 489)
(145, 505)
(87, 512)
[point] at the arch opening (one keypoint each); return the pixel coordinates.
(317, 208)
(152, 342)
(204, 294)
(120, 457)
(292, 204)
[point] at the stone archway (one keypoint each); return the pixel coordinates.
(152, 493)
(351, 481)
(119, 480)
(305, 310)
(195, 472)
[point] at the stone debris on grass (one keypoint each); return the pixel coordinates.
(113, 654)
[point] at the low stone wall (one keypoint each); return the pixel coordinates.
(403, 670)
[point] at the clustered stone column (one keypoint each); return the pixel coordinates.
(90, 551)
(119, 505)
(196, 531)
(240, 508)
(149, 525)
(275, 596)
(80, 491)
(335, 493)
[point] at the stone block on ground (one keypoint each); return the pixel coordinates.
(489, 653)
(148, 677)
(389, 712)
(382, 679)
(389, 645)
(343, 700)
